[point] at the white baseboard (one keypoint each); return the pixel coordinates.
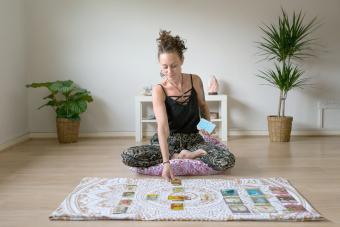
(294, 133)
(14, 141)
(265, 133)
(150, 133)
(84, 135)
(37, 135)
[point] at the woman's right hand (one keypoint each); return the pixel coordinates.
(167, 173)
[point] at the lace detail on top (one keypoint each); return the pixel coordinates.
(182, 100)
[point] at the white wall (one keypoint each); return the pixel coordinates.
(13, 94)
(109, 47)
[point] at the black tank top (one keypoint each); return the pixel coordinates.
(183, 116)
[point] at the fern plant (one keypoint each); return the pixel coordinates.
(66, 98)
(284, 42)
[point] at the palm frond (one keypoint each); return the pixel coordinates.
(288, 38)
(285, 78)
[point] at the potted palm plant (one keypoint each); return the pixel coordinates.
(283, 43)
(68, 101)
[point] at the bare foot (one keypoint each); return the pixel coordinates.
(174, 156)
(185, 154)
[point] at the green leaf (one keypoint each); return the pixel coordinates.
(62, 86)
(82, 105)
(37, 85)
(284, 78)
(85, 95)
(50, 96)
(74, 108)
(288, 38)
(49, 103)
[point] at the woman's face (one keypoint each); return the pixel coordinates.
(171, 64)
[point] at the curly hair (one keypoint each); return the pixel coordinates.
(170, 44)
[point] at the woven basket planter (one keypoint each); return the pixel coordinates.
(68, 130)
(279, 128)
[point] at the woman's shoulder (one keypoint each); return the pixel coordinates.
(196, 79)
(158, 91)
(194, 76)
(161, 83)
(157, 87)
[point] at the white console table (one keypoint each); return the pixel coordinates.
(222, 121)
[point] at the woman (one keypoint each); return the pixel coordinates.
(178, 103)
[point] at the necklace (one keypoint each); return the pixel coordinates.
(177, 88)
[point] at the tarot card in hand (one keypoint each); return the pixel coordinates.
(206, 126)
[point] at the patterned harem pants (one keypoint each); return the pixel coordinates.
(217, 158)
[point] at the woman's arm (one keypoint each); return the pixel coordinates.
(204, 109)
(159, 109)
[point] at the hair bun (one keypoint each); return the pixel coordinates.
(168, 43)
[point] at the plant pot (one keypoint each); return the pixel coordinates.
(279, 128)
(67, 130)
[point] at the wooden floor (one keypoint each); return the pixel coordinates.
(35, 176)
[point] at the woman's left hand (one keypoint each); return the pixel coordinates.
(203, 132)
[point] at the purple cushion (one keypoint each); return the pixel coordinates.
(184, 167)
(180, 167)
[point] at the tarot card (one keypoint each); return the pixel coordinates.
(295, 208)
(265, 209)
(176, 197)
(238, 208)
(260, 200)
(229, 192)
(232, 200)
(278, 190)
(254, 191)
(131, 187)
(177, 189)
(286, 199)
(125, 202)
(152, 197)
(129, 194)
(177, 206)
(176, 181)
(119, 210)
(206, 125)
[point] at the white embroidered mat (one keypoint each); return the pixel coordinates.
(193, 199)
